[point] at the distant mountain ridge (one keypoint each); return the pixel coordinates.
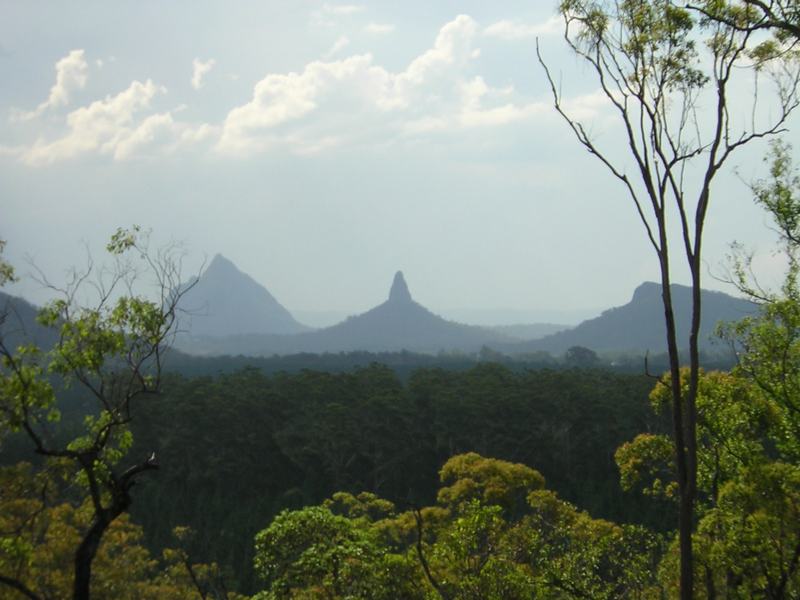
(224, 301)
(18, 324)
(400, 323)
(639, 325)
(232, 314)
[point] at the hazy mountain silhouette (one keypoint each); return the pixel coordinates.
(639, 325)
(225, 301)
(18, 324)
(400, 323)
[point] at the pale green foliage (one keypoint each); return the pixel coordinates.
(648, 462)
(112, 353)
(779, 195)
(6, 270)
(470, 547)
(315, 554)
(38, 535)
(750, 540)
(124, 239)
(472, 477)
(733, 419)
(768, 344)
(650, 43)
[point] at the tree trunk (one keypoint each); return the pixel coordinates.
(685, 517)
(85, 555)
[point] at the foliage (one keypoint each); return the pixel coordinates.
(6, 270)
(468, 546)
(244, 446)
(747, 541)
(655, 75)
(38, 535)
(113, 352)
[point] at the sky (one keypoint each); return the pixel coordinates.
(321, 147)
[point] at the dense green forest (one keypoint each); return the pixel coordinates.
(484, 483)
(243, 446)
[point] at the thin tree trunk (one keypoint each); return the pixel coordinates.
(685, 516)
(85, 554)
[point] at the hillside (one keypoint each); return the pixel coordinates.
(18, 323)
(639, 326)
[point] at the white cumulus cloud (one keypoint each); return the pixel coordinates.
(71, 75)
(102, 126)
(333, 102)
(199, 70)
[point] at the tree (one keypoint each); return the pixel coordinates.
(777, 16)
(581, 357)
(647, 61)
(114, 353)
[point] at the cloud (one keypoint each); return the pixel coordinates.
(71, 75)
(515, 30)
(199, 71)
(328, 104)
(378, 28)
(353, 99)
(119, 127)
(342, 42)
(102, 126)
(279, 99)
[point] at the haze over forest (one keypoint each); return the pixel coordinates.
(407, 139)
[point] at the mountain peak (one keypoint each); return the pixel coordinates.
(399, 292)
(649, 290)
(226, 301)
(220, 264)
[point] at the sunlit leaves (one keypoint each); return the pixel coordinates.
(6, 270)
(473, 477)
(471, 547)
(123, 240)
(648, 462)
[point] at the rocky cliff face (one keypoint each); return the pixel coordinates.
(399, 293)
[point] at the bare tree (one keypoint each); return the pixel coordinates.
(656, 74)
(114, 351)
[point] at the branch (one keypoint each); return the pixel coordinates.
(150, 464)
(19, 586)
(584, 140)
(423, 561)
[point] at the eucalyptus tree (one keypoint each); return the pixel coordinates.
(113, 352)
(781, 17)
(669, 76)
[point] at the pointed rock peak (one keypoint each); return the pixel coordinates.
(220, 267)
(399, 291)
(219, 262)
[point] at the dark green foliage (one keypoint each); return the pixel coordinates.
(237, 449)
